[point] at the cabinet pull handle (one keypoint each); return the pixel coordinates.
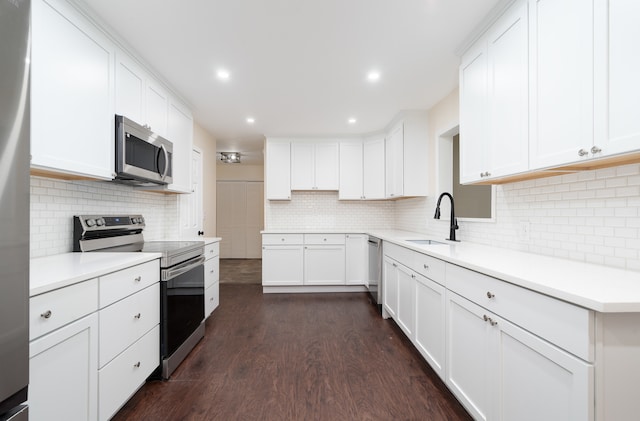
(211, 299)
(490, 320)
(137, 316)
(582, 152)
(394, 265)
(490, 295)
(426, 266)
(138, 278)
(46, 314)
(211, 271)
(413, 276)
(595, 150)
(137, 365)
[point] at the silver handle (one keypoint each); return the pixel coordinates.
(180, 269)
(413, 276)
(166, 161)
(137, 316)
(46, 314)
(137, 365)
(582, 152)
(138, 278)
(487, 174)
(490, 295)
(426, 266)
(490, 320)
(485, 317)
(595, 150)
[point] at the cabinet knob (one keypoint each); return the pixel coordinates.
(395, 265)
(413, 276)
(582, 152)
(595, 150)
(200, 232)
(324, 239)
(46, 314)
(211, 271)
(490, 295)
(137, 316)
(138, 278)
(426, 266)
(137, 365)
(211, 299)
(481, 174)
(282, 239)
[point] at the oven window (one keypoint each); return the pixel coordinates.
(183, 297)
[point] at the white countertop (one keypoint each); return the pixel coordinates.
(53, 272)
(596, 287)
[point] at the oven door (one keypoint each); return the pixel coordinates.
(182, 304)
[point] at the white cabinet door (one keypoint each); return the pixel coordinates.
(394, 162)
(469, 355)
(430, 325)
(211, 299)
(63, 373)
(179, 131)
(357, 259)
(508, 93)
(302, 166)
(157, 107)
(282, 265)
(406, 315)
(326, 164)
(351, 173)
(537, 381)
(324, 265)
(617, 66)
(278, 170)
(390, 287)
(373, 168)
(72, 85)
(130, 88)
(561, 81)
(473, 113)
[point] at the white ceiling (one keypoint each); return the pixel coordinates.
(299, 67)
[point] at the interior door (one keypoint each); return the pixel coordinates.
(191, 216)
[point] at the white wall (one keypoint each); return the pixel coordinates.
(592, 216)
(55, 202)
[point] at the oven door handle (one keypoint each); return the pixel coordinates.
(178, 270)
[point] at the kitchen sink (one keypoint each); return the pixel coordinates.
(427, 242)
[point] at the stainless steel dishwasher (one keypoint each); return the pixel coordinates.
(375, 271)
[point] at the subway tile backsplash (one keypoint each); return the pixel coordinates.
(590, 216)
(54, 202)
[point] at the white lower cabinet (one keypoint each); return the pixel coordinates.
(282, 265)
(324, 259)
(356, 259)
(430, 325)
(390, 288)
(406, 301)
(211, 278)
(63, 372)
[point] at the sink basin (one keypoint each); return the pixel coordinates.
(427, 242)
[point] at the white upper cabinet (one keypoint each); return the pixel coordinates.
(494, 100)
(278, 170)
(561, 81)
(72, 105)
(394, 144)
(180, 132)
(130, 88)
(351, 183)
(373, 167)
(314, 166)
(157, 108)
(406, 156)
(617, 85)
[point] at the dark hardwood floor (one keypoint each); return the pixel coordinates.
(297, 357)
(241, 271)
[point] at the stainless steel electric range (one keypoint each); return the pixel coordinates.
(181, 278)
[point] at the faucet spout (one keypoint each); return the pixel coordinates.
(453, 225)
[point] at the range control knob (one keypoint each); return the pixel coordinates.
(134, 220)
(90, 222)
(100, 222)
(141, 220)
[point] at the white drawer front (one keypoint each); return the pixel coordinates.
(566, 325)
(398, 253)
(211, 250)
(275, 239)
(211, 298)
(125, 374)
(124, 322)
(429, 266)
(318, 239)
(57, 308)
(211, 271)
(117, 285)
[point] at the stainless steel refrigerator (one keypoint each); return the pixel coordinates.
(14, 208)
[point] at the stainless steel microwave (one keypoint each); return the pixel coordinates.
(143, 158)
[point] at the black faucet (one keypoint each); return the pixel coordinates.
(454, 221)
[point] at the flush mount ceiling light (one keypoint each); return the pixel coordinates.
(223, 74)
(251, 120)
(352, 120)
(230, 157)
(373, 76)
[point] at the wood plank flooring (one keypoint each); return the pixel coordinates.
(297, 357)
(242, 271)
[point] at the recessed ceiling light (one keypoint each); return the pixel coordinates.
(250, 120)
(223, 74)
(373, 76)
(352, 120)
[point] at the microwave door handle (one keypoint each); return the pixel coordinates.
(166, 161)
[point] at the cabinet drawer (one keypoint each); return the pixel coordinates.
(211, 271)
(57, 308)
(117, 285)
(324, 239)
(428, 266)
(122, 323)
(211, 250)
(567, 326)
(125, 374)
(211, 298)
(398, 253)
(273, 239)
